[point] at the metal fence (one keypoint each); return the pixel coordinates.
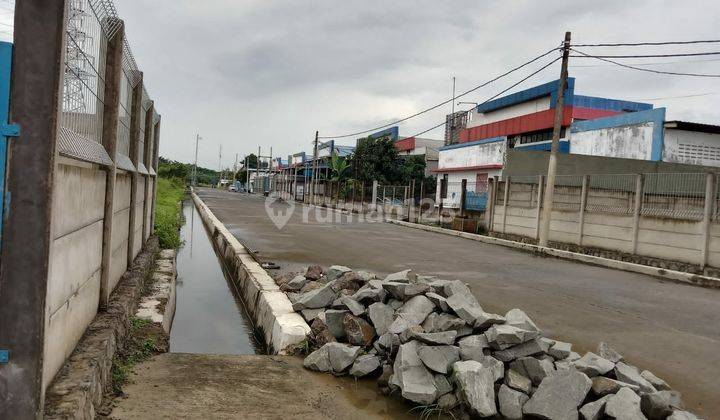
(673, 195)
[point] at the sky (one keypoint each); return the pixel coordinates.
(269, 73)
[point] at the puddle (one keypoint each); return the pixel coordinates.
(209, 318)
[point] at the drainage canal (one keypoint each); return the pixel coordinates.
(210, 317)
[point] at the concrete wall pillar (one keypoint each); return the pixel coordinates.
(505, 203)
(374, 194)
(113, 75)
(538, 214)
(490, 207)
(583, 204)
(147, 159)
(156, 158)
(710, 198)
(135, 110)
(636, 212)
(36, 99)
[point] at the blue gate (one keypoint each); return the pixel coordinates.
(475, 201)
(6, 130)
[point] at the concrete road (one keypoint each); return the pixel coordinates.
(671, 329)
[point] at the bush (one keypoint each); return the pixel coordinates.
(170, 192)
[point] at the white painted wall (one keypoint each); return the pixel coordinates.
(477, 155)
(691, 147)
(529, 107)
(455, 185)
(630, 142)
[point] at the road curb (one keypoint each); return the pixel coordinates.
(269, 308)
(678, 276)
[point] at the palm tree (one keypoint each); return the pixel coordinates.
(339, 168)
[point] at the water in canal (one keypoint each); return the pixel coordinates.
(209, 317)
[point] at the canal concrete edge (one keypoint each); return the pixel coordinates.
(678, 276)
(269, 308)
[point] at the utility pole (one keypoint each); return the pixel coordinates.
(247, 175)
(552, 163)
(194, 180)
(314, 172)
(453, 101)
(220, 165)
(257, 167)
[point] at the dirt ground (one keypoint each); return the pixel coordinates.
(671, 329)
(196, 386)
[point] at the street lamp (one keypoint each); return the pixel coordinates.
(469, 103)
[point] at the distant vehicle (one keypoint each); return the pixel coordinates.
(232, 188)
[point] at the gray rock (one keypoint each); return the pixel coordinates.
(314, 272)
(438, 338)
(594, 410)
(604, 386)
(511, 402)
(464, 331)
(518, 318)
(559, 396)
(661, 404)
(417, 385)
(318, 360)
(387, 372)
(593, 365)
(358, 331)
(334, 321)
(442, 322)
(366, 276)
(535, 369)
(341, 355)
(368, 295)
(297, 283)
(496, 367)
(454, 287)
(682, 415)
(336, 271)
(658, 383)
(529, 348)
(447, 402)
(516, 380)
(439, 358)
(486, 320)
(310, 314)
(396, 289)
(413, 312)
(387, 344)
(442, 385)
(404, 276)
(473, 347)
(314, 299)
(560, 350)
(395, 304)
(410, 333)
(365, 365)
(381, 316)
(466, 307)
(568, 362)
(606, 352)
(503, 336)
(475, 387)
(631, 374)
(354, 306)
(438, 300)
(625, 405)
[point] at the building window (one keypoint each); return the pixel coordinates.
(533, 137)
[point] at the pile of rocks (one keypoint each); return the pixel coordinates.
(430, 341)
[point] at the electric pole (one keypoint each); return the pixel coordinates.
(552, 163)
(314, 171)
(247, 175)
(220, 165)
(194, 178)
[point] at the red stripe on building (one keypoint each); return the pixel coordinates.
(582, 113)
(405, 145)
(468, 168)
(523, 124)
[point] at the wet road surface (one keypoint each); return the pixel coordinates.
(671, 329)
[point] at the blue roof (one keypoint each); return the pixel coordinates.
(343, 151)
(549, 88)
(610, 104)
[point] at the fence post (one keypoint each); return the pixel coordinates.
(463, 191)
(337, 194)
(374, 195)
(411, 203)
(538, 215)
(420, 203)
(505, 203)
(113, 74)
(136, 108)
(583, 204)
(443, 194)
(490, 206)
(710, 197)
(636, 211)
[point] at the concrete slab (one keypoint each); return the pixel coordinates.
(195, 386)
(666, 327)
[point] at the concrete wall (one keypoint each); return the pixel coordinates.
(682, 146)
(474, 154)
(630, 142)
(475, 119)
(73, 287)
(121, 231)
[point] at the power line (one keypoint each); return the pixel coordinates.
(636, 44)
(697, 95)
(444, 102)
(657, 63)
(656, 55)
(672, 73)
(496, 95)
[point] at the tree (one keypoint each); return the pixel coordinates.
(375, 159)
(339, 168)
(173, 169)
(252, 163)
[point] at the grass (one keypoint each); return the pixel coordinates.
(138, 350)
(167, 212)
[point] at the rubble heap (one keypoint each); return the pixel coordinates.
(430, 341)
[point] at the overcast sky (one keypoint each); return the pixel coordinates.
(269, 73)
